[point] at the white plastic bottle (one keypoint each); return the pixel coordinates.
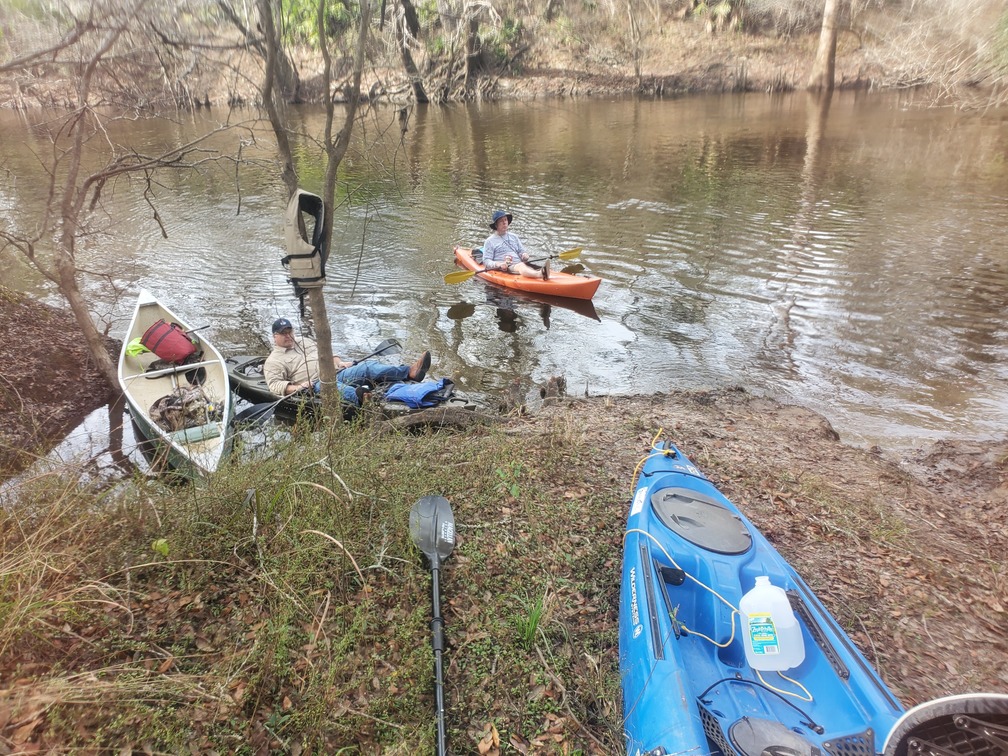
(770, 630)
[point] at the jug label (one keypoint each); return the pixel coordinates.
(763, 635)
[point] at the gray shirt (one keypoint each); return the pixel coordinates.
(497, 247)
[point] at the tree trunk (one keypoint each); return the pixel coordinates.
(82, 314)
(284, 70)
(472, 51)
(416, 81)
(287, 172)
(823, 70)
(335, 146)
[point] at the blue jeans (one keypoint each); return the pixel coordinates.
(363, 374)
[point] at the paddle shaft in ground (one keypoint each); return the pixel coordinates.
(262, 412)
(437, 643)
(432, 527)
(464, 275)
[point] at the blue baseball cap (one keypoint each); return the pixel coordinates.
(497, 216)
(281, 324)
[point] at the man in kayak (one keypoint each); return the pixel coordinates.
(293, 366)
(503, 250)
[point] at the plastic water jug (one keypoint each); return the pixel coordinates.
(771, 633)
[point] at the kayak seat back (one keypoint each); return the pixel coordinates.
(701, 520)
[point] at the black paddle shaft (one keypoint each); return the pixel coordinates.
(432, 527)
(437, 642)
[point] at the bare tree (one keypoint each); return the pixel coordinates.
(406, 29)
(823, 69)
(334, 142)
(75, 198)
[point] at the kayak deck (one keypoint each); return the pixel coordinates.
(689, 557)
(559, 284)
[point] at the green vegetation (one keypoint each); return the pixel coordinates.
(282, 605)
(1000, 45)
(299, 23)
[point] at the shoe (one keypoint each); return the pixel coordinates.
(418, 370)
(363, 394)
(545, 272)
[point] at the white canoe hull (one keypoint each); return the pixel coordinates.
(192, 451)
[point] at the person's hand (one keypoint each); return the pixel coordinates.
(525, 257)
(343, 364)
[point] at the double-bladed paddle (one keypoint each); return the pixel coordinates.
(432, 527)
(260, 413)
(464, 275)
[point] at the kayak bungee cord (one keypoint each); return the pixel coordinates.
(810, 723)
(695, 580)
(805, 694)
(646, 457)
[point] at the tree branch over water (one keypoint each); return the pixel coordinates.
(50, 236)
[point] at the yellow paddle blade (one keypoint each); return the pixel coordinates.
(459, 276)
(570, 254)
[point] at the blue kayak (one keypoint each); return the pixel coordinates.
(698, 676)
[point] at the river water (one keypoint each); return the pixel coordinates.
(849, 259)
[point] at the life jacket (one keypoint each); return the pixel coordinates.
(423, 394)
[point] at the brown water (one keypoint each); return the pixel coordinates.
(851, 260)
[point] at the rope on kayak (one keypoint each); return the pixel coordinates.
(657, 453)
(695, 580)
(810, 723)
(806, 697)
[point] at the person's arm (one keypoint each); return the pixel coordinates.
(516, 243)
(278, 378)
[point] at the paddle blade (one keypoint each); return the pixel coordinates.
(389, 346)
(570, 254)
(432, 528)
(257, 413)
(459, 276)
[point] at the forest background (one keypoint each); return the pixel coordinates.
(193, 54)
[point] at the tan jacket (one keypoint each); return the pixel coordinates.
(294, 365)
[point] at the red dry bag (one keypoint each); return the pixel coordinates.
(168, 341)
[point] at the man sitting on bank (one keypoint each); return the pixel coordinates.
(293, 366)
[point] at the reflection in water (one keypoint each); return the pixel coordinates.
(461, 311)
(508, 303)
(779, 343)
(846, 252)
(102, 448)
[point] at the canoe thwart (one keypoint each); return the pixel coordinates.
(174, 370)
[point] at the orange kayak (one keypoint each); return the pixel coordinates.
(557, 285)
